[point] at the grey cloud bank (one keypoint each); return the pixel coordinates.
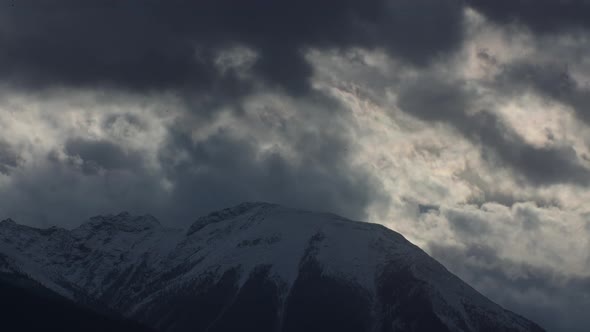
(462, 124)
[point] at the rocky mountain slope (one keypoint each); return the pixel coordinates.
(26, 305)
(255, 266)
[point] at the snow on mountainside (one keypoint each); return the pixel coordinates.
(86, 259)
(254, 266)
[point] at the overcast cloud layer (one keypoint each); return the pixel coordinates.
(464, 125)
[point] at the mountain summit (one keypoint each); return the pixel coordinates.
(253, 267)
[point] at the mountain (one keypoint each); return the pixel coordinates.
(26, 305)
(253, 267)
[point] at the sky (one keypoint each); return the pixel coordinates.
(463, 125)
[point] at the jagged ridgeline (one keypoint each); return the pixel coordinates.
(253, 267)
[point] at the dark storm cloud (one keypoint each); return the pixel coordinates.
(546, 294)
(143, 47)
(57, 192)
(144, 52)
(224, 170)
(97, 177)
(9, 158)
(548, 297)
(489, 192)
(101, 155)
(128, 120)
(551, 81)
(465, 225)
(543, 16)
(153, 44)
(436, 99)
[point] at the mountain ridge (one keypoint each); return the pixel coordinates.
(140, 268)
(28, 306)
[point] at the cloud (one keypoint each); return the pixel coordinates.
(554, 300)
(550, 80)
(55, 192)
(441, 138)
(222, 170)
(154, 45)
(9, 158)
(542, 16)
(296, 152)
(533, 260)
(437, 99)
(95, 156)
(293, 151)
(461, 124)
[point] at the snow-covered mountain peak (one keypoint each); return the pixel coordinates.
(7, 221)
(14, 232)
(123, 221)
(9, 225)
(288, 265)
(228, 213)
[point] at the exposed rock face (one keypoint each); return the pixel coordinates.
(255, 266)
